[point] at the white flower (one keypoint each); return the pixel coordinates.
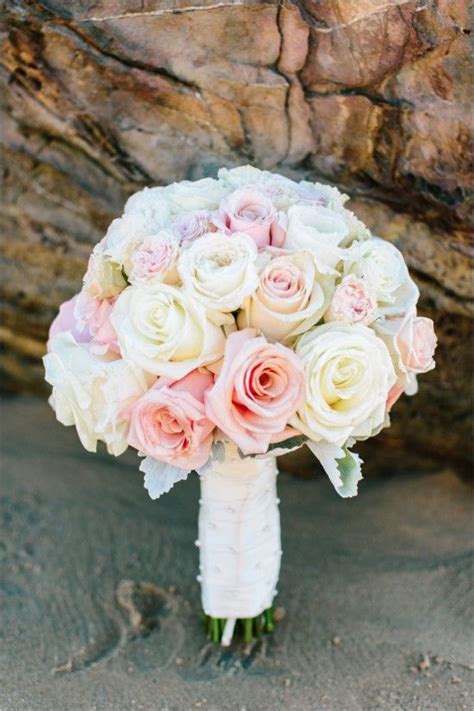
(204, 194)
(349, 374)
(151, 205)
(93, 392)
(164, 331)
(156, 258)
(282, 191)
(242, 175)
(125, 235)
(292, 296)
(104, 278)
(219, 271)
(318, 230)
(321, 194)
(386, 275)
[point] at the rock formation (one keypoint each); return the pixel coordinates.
(102, 98)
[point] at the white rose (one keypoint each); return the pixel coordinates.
(204, 194)
(318, 230)
(93, 392)
(241, 175)
(386, 275)
(153, 205)
(326, 196)
(164, 331)
(218, 272)
(292, 296)
(322, 194)
(349, 374)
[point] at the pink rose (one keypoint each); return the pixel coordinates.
(156, 258)
(93, 318)
(249, 210)
(259, 387)
(411, 342)
(416, 343)
(352, 302)
(66, 321)
(169, 422)
(192, 225)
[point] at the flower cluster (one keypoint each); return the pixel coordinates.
(249, 308)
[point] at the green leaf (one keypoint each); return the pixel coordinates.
(350, 472)
(342, 466)
(290, 443)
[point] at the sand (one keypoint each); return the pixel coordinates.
(100, 603)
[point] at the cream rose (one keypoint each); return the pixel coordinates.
(292, 296)
(349, 374)
(218, 272)
(352, 302)
(104, 278)
(93, 392)
(164, 331)
(386, 275)
(155, 258)
(204, 194)
(318, 230)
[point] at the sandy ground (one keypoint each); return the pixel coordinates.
(376, 590)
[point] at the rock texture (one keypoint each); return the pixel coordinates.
(105, 97)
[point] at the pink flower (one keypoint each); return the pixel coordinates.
(169, 422)
(249, 210)
(93, 317)
(416, 343)
(258, 389)
(411, 342)
(352, 302)
(155, 258)
(192, 225)
(66, 321)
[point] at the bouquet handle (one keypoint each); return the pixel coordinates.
(239, 539)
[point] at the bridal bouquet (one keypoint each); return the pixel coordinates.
(221, 323)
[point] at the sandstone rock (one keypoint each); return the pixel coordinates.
(103, 98)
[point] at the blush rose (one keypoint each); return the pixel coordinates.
(169, 422)
(260, 386)
(249, 210)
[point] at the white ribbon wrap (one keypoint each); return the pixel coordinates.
(239, 536)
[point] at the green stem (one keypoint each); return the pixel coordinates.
(215, 632)
(269, 625)
(248, 630)
(252, 627)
